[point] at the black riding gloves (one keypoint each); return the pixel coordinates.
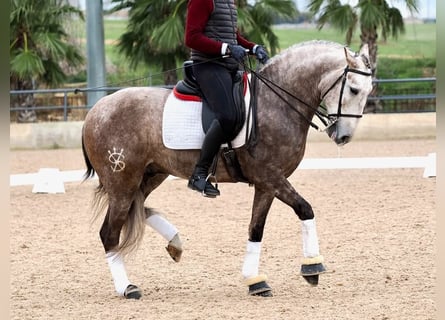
(261, 54)
(237, 52)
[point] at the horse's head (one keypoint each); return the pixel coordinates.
(344, 95)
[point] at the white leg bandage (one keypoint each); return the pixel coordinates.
(310, 239)
(117, 268)
(162, 226)
(251, 259)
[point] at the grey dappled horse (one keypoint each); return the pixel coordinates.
(127, 125)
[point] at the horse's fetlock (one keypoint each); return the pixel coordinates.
(304, 210)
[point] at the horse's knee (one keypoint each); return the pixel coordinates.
(303, 209)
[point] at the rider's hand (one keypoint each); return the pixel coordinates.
(237, 52)
(261, 54)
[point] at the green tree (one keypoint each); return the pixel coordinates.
(372, 17)
(39, 47)
(155, 31)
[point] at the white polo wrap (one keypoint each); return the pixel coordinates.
(310, 239)
(251, 259)
(162, 226)
(117, 268)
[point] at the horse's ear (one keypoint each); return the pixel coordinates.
(364, 50)
(364, 54)
(349, 58)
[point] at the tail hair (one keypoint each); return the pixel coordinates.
(90, 170)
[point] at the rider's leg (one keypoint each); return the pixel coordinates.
(210, 147)
(216, 84)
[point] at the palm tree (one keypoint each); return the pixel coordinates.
(39, 47)
(371, 16)
(155, 31)
(154, 34)
(255, 20)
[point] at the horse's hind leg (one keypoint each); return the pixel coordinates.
(158, 222)
(167, 230)
(127, 208)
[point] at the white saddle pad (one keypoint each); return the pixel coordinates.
(182, 127)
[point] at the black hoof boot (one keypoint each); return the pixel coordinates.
(132, 292)
(259, 287)
(311, 272)
(202, 184)
(312, 280)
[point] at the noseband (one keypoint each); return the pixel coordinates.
(332, 117)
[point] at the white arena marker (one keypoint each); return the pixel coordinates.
(49, 180)
(430, 166)
(24, 179)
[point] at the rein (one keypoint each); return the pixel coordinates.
(327, 119)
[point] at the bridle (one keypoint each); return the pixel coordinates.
(343, 77)
(328, 119)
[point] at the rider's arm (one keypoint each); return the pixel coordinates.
(198, 13)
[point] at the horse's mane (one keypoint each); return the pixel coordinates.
(315, 43)
(303, 45)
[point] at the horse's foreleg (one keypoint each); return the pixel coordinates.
(256, 282)
(312, 263)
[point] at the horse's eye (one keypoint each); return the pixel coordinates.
(354, 91)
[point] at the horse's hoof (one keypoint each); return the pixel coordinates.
(174, 252)
(260, 289)
(174, 248)
(311, 272)
(265, 294)
(132, 292)
(312, 280)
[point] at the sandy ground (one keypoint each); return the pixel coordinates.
(376, 228)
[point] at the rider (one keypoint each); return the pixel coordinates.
(217, 49)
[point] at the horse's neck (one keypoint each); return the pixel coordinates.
(305, 78)
(296, 82)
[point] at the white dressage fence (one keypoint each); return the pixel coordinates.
(51, 180)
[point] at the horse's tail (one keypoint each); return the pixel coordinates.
(90, 170)
(134, 225)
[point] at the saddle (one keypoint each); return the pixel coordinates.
(188, 89)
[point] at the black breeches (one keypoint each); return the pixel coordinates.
(216, 83)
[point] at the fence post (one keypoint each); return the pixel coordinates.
(65, 106)
(95, 51)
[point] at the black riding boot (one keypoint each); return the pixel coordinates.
(210, 147)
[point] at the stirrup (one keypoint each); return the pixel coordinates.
(203, 185)
(217, 193)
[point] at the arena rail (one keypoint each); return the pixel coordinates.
(83, 91)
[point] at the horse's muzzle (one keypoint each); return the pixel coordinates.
(342, 140)
(339, 139)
